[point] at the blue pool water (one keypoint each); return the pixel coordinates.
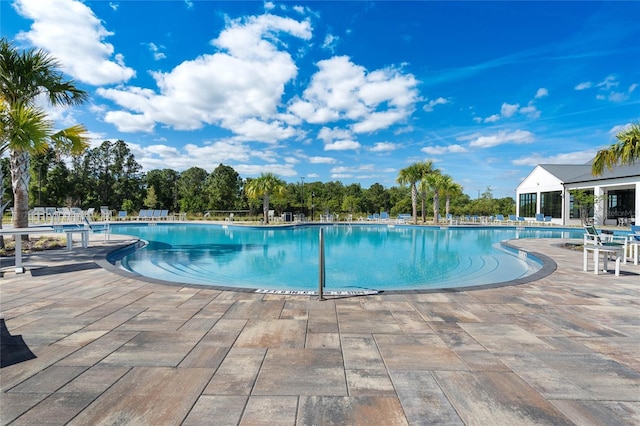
(358, 257)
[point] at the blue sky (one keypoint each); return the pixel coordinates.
(348, 91)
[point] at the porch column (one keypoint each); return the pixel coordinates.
(598, 208)
(566, 204)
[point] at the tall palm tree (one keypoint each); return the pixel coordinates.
(411, 175)
(625, 151)
(264, 187)
(449, 188)
(25, 76)
(436, 183)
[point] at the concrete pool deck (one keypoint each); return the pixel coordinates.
(108, 349)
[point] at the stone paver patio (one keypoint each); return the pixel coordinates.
(564, 349)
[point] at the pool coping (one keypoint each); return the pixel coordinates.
(548, 266)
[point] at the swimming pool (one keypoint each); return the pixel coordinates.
(359, 258)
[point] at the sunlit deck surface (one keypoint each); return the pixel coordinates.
(114, 350)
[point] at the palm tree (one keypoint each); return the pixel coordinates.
(625, 151)
(449, 188)
(264, 187)
(411, 175)
(436, 183)
(24, 76)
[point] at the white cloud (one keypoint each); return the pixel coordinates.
(208, 156)
(357, 169)
(330, 42)
(541, 93)
(342, 145)
(327, 135)
(238, 88)
(342, 90)
(507, 110)
(433, 102)
(584, 85)
(502, 137)
(579, 157)
(617, 97)
(530, 111)
(383, 147)
(439, 150)
(633, 87)
(155, 49)
(492, 118)
(608, 83)
(78, 44)
(281, 170)
(322, 160)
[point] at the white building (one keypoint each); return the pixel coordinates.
(546, 191)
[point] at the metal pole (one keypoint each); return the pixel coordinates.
(321, 278)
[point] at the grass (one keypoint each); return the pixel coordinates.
(34, 245)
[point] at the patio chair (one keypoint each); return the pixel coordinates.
(122, 215)
(499, 218)
(596, 242)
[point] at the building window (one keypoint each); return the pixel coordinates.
(528, 204)
(621, 204)
(551, 203)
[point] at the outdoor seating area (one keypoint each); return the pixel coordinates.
(53, 215)
(150, 214)
(617, 248)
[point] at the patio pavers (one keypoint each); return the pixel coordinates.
(110, 349)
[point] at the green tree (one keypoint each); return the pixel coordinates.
(264, 187)
(584, 201)
(165, 184)
(377, 198)
(24, 127)
(625, 151)
(224, 187)
(151, 201)
(191, 185)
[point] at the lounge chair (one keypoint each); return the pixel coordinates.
(384, 217)
(499, 219)
(144, 214)
(403, 218)
(512, 218)
(539, 218)
(122, 215)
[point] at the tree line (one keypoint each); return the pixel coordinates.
(109, 175)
